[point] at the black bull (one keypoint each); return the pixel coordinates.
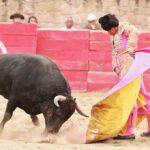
(35, 84)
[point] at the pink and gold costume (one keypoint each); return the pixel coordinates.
(124, 43)
(127, 103)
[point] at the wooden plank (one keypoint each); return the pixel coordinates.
(75, 76)
(99, 35)
(72, 65)
(63, 34)
(75, 45)
(18, 29)
(102, 46)
(101, 77)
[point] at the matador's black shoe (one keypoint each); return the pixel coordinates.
(125, 137)
(145, 134)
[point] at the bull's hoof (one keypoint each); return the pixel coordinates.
(36, 123)
(35, 120)
(145, 134)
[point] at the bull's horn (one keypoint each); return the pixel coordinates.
(58, 99)
(79, 111)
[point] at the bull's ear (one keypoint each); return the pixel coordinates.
(74, 99)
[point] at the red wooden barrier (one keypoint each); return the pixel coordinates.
(19, 38)
(100, 80)
(100, 74)
(84, 57)
(69, 49)
(99, 66)
(102, 46)
(144, 41)
(77, 79)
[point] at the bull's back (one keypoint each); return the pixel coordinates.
(25, 72)
(20, 62)
(17, 68)
(13, 64)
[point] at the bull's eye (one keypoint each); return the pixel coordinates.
(58, 111)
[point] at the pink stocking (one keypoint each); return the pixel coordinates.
(147, 112)
(148, 115)
(131, 122)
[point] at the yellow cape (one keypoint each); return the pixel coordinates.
(109, 116)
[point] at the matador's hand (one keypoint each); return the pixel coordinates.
(117, 70)
(132, 54)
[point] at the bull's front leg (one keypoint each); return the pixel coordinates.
(11, 106)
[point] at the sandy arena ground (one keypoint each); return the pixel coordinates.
(21, 134)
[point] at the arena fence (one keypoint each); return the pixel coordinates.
(83, 56)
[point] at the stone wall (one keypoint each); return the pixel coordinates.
(51, 13)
